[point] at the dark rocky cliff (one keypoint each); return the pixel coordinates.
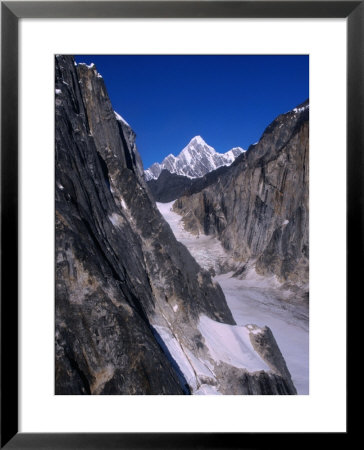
(120, 273)
(104, 221)
(258, 207)
(168, 186)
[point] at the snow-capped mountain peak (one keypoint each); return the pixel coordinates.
(194, 161)
(198, 140)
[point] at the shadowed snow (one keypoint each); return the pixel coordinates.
(230, 344)
(191, 367)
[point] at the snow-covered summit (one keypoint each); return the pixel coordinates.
(194, 161)
(198, 140)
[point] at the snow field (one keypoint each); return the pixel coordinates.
(206, 250)
(262, 304)
(231, 344)
(254, 300)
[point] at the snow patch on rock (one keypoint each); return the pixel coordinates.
(116, 220)
(191, 367)
(231, 344)
(120, 119)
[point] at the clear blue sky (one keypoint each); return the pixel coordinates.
(228, 100)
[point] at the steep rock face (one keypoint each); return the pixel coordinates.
(258, 207)
(100, 301)
(122, 279)
(194, 161)
(104, 296)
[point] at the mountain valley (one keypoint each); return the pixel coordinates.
(190, 277)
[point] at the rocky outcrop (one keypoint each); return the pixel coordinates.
(258, 207)
(168, 186)
(121, 276)
(266, 346)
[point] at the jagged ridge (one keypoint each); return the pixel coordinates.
(194, 161)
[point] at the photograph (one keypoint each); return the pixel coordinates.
(181, 224)
(181, 213)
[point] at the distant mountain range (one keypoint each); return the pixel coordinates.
(194, 161)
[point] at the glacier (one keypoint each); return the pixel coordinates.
(256, 299)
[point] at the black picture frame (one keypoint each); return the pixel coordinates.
(11, 12)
